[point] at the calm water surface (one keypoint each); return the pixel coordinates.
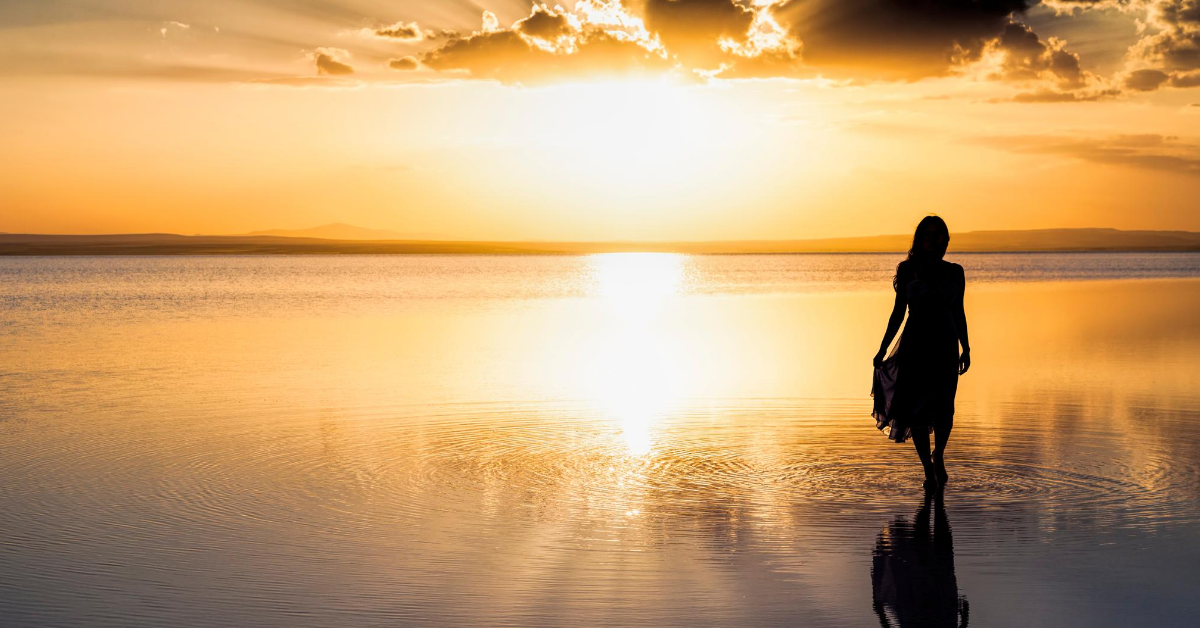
(618, 440)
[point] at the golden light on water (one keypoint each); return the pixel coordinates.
(634, 286)
(636, 374)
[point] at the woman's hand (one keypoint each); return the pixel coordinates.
(879, 357)
(964, 361)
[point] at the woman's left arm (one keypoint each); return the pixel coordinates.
(964, 360)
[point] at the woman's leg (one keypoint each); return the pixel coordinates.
(920, 438)
(941, 435)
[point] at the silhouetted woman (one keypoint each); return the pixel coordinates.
(914, 387)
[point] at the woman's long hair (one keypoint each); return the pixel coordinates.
(917, 252)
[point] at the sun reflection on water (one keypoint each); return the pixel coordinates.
(635, 286)
(637, 379)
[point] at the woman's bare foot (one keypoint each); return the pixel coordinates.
(940, 472)
(931, 481)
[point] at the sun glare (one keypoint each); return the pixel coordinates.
(633, 135)
(635, 285)
(636, 378)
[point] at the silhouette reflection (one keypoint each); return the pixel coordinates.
(912, 572)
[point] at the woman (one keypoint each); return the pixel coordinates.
(914, 388)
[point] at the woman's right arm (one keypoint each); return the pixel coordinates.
(893, 326)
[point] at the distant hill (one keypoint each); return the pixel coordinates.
(967, 242)
(333, 231)
(998, 241)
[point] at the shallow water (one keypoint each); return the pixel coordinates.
(578, 441)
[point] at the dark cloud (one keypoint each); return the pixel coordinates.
(545, 23)
(404, 63)
(861, 40)
(327, 64)
(1146, 80)
(506, 56)
(895, 39)
(692, 29)
(1173, 50)
(1028, 57)
(1045, 96)
(1149, 151)
(1177, 47)
(1172, 45)
(1190, 79)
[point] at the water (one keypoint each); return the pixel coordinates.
(576, 441)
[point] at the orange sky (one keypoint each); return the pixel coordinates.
(652, 119)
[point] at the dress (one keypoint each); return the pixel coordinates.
(915, 387)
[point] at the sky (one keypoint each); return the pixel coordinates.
(598, 119)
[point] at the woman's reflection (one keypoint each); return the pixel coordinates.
(912, 572)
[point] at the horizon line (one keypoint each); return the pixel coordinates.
(260, 235)
(994, 241)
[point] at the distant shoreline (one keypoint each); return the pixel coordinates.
(1032, 241)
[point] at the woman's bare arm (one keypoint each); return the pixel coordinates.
(964, 361)
(893, 325)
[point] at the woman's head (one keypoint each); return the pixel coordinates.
(930, 239)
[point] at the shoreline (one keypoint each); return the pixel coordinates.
(166, 244)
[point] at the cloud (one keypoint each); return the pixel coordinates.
(1149, 151)
(1146, 80)
(491, 23)
(1169, 51)
(840, 40)
(1054, 96)
(545, 23)
(614, 38)
(401, 31)
(598, 40)
(1176, 44)
(692, 29)
(1044, 68)
(404, 63)
(506, 56)
(327, 61)
(1069, 7)
(1188, 79)
(1026, 57)
(894, 39)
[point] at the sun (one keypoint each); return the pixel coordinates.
(633, 135)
